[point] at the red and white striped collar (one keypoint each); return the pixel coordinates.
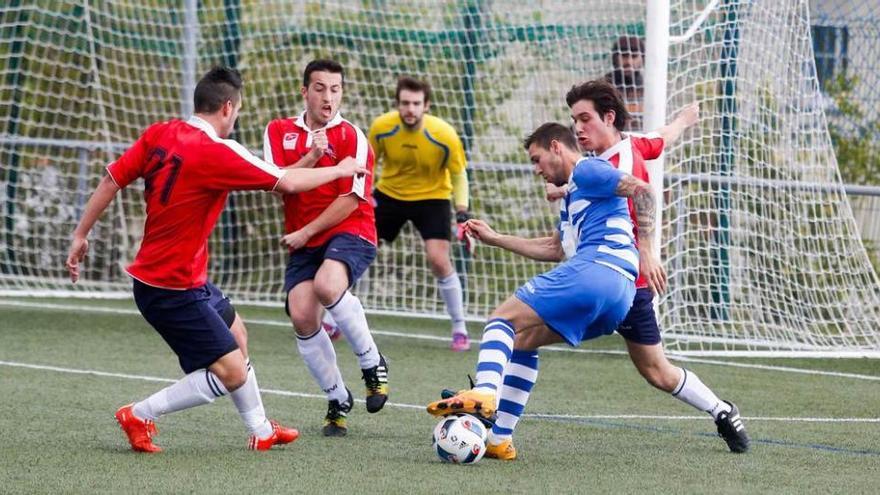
(301, 122)
(624, 141)
(203, 124)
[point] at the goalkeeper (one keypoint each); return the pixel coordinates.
(423, 165)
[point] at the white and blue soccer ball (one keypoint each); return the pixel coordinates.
(460, 439)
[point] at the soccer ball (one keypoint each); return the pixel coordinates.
(460, 439)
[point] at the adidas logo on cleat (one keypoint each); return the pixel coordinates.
(732, 429)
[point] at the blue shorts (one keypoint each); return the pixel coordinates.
(355, 253)
(579, 299)
(640, 325)
(195, 323)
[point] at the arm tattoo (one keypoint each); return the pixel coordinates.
(643, 201)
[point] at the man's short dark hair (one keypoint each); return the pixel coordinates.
(625, 79)
(219, 85)
(548, 132)
(605, 98)
(322, 65)
(630, 45)
(412, 84)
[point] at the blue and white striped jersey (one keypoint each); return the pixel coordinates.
(594, 221)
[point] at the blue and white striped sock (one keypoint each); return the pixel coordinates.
(495, 349)
(519, 378)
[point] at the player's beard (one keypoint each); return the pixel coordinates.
(414, 125)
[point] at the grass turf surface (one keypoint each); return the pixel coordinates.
(58, 434)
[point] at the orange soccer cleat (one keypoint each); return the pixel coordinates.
(465, 402)
(504, 451)
(280, 435)
(139, 432)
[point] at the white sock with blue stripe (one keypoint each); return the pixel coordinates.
(195, 389)
(495, 349)
(349, 315)
(520, 375)
(691, 390)
(320, 357)
(249, 404)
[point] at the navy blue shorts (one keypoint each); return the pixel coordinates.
(352, 251)
(195, 323)
(640, 325)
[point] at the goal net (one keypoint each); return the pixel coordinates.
(758, 236)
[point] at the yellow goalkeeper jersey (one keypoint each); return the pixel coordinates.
(418, 164)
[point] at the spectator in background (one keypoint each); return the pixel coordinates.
(628, 59)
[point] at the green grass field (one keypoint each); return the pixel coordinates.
(66, 365)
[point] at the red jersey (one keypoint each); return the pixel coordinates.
(188, 171)
(629, 155)
(286, 141)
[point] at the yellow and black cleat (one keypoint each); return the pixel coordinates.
(465, 402)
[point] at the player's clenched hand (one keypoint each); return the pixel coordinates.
(319, 143)
(481, 231)
(554, 192)
(653, 271)
(78, 249)
(296, 239)
(349, 166)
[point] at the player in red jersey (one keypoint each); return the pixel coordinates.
(600, 116)
(188, 169)
(331, 234)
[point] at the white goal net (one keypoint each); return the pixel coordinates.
(758, 236)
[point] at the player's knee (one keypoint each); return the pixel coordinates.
(659, 376)
(232, 377)
(304, 324)
(330, 283)
(235, 379)
(328, 292)
(440, 266)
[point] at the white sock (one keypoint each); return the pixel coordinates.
(349, 315)
(195, 389)
(691, 390)
(450, 290)
(250, 405)
(495, 350)
(328, 320)
(320, 357)
(520, 375)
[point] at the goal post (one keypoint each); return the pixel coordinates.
(759, 239)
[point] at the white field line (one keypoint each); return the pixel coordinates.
(420, 336)
(287, 393)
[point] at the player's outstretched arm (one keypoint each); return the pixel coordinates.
(79, 245)
(643, 201)
(304, 179)
(335, 212)
(541, 248)
(687, 116)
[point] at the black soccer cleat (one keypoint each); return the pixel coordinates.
(334, 421)
(376, 380)
(732, 429)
